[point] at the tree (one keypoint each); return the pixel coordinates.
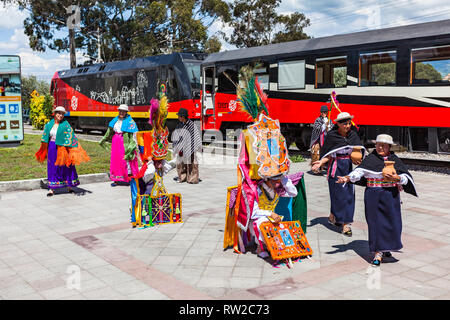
(256, 23)
(426, 71)
(127, 28)
(30, 84)
(213, 45)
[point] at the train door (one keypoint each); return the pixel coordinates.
(54, 91)
(208, 92)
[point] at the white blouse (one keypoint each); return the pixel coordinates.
(118, 126)
(53, 132)
(358, 173)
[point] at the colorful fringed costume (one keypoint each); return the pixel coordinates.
(151, 203)
(263, 157)
(124, 161)
(63, 152)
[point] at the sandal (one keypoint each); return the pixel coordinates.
(50, 194)
(347, 233)
(387, 254)
(333, 221)
(376, 262)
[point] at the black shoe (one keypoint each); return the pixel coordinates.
(50, 194)
(114, 184)
(387, 254)
(175, 178)
(376, 263)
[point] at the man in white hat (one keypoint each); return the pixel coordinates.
(382, 197)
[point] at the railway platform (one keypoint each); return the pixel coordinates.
(82, 246)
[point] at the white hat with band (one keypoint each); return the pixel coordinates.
(60, 109)
(343, 116)
(123, 107)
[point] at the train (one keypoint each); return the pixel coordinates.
(92, 93)
(393, 80)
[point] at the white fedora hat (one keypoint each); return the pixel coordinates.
(60, 109)
(385, 138)
(123, 107)
(343, 116)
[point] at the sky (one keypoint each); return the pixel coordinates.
(328, 17)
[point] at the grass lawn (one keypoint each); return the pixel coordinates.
(20, 164)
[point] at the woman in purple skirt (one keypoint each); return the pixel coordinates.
(61, 148)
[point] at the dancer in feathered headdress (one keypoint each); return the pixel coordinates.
(263, 166)
(153, 148)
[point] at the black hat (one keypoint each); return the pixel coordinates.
(183, 112)
(323, 108)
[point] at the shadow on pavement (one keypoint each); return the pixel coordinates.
(324, 221)
(80, 191)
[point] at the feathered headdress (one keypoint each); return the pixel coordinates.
(158, 112)
(154, 105)
(250, 96)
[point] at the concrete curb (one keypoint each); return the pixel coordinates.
(32, 184)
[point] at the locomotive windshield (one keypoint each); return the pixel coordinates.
(193, 70)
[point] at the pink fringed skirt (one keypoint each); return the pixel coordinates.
(118, 170)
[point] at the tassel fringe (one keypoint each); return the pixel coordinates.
(41, 154)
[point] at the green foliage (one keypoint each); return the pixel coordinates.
(30, 84)
(426, 71)
(383, 73)
(128, 28)
(297, 158)
(340, 77)
(41, 107)
(255, 23)
(213, 45)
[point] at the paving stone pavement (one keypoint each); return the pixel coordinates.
(48, 244)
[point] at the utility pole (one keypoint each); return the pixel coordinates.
(99, 47)
(73, 57)
(72, 22)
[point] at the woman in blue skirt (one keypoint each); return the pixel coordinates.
(382, 197)
(338, 146)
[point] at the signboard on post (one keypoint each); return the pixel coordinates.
(11, 124)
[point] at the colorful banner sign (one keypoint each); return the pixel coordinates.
(11, 124)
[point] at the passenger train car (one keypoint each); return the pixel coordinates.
(394, 80)
(91, 94)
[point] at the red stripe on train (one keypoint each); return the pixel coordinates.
(295, 111)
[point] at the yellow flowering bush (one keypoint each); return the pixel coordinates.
(41, 107)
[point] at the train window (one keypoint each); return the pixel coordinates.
(291, 74)
(430, 65)
(172, 86)
(263, 77)
(225, 73)
(331, 72)
(377, 69)
(193, 70)
(151, 85)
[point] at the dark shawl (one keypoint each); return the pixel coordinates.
(334, 141)
(375, 163)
